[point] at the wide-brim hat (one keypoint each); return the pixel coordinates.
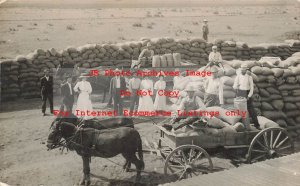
(214, 47)
(205, 20)
(190, 89)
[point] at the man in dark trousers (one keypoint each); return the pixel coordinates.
(47, 91)
(205, 30)
(118, 84)
(68, 95)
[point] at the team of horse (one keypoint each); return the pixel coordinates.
(99, 138)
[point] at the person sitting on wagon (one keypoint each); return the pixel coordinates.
(213, 87)
(187, 104)
(244, 86)
(146, 55)
(214, 59)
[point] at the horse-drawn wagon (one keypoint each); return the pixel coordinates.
(187, 156)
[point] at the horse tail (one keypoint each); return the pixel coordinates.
(140, 150)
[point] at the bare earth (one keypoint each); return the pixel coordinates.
(28, 25)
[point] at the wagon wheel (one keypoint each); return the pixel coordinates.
(270, 143)
(187, 161)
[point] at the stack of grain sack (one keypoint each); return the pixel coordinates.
(9, 80)
(169, 51)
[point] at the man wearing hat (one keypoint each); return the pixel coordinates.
(67, 93)
(214, 59)
(47, 91)
(134, 85)
(187, 104)
(244, 87)
(118, 84)
(213, 87)
(205, 30)
(146, 55)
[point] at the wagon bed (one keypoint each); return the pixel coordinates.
(186, 156)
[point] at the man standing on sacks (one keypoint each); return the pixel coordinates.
(244, 86)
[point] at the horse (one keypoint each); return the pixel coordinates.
(106, 143)
(95, 123)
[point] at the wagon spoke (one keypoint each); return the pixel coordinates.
(184, 157)
(261, 145)
(265, 139)
(282, 148)
(182, 175)
(258, 157)
(178, 171)
(282, 142)
(178, 161)
(260, 151)
(277, 138)
(190, 155)
(197, 157)
(271, 139)
(176, 166)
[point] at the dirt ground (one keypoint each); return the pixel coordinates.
(26, 161)
(30, 24)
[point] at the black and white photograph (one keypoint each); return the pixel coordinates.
(149, 93)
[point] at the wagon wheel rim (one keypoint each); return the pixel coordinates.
(187, 161)
(270, 143)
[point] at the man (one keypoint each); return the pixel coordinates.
(47, 91)
(145, 55)
(68, 94)
(244, 87)
(117, 84)
(214, 59)
(110, 99)
(134, 85)
(213, 87)
(187, 104)
(205, 30)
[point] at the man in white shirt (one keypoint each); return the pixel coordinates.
(213, 87)
(134, 85)
(244, 87)
(214, 59)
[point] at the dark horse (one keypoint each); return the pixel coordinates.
(106, 143)
(95, 123)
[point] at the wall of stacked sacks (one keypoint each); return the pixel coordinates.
(277, 89)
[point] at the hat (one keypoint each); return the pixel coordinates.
(149, 44)
(244, 66)
(214, 47)
(213, 70)
(205, 20)
(83, 75)
(190, 89)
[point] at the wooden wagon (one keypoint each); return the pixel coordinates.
(187, 156)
